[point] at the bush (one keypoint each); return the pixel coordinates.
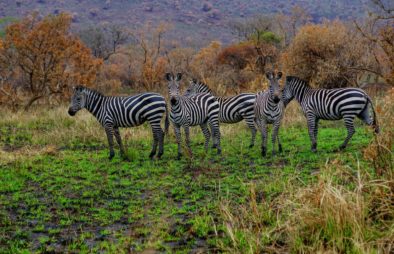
(327, 55)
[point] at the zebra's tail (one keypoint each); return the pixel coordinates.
(375, 121)
(166, 122)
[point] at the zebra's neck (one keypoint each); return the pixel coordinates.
(203, 88)
(300, 90)
(93, 101)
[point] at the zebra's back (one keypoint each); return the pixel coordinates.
(134, 110)
(235, 108)
(333, 104)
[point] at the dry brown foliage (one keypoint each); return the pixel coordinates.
(379, 152)
(327, 55)
(45, 58)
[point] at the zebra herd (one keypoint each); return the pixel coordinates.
(198, 106)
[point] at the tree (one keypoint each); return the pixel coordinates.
(379, 31)
(104, 41)
(289, 24)
(47, 58)
(328, 55)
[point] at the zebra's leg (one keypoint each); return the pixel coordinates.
(110, 133)
(312, 129)
(252, 127)
(187, 138)
(157, 133)
(161, 142)
(207, 135)
(214, 124)
(177, 130)
(275, 135)
(119, 141)
(263, 129)
(349, 123)
(279, 145)
(316, 130)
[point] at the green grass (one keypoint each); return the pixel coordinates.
(72, 199)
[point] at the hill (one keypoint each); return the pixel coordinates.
(192, 20)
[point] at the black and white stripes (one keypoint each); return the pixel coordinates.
(233, 109)
(329, 104)
(130, 111)
(199, 109)
(269, 109)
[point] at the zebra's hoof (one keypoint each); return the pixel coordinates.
(219, 152)
(179, 157)
(280, 148)
(251, 145)
(151, 155)
(159, 155)
(111, 155)
(125, 158)
(263, 152)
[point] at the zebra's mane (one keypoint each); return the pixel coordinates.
(294, 78)
(197, 82)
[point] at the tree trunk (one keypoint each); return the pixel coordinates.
(32, 100)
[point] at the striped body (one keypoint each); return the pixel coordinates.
(199, 109)
(114, 112)
(231, 109)
(329, 104)
(269, 109)
(194, 110)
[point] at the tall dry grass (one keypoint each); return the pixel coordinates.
(344, 210)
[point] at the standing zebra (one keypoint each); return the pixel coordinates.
(329, 104)
(114, 112)
(269, 109)
(199, 109)
(232, 109)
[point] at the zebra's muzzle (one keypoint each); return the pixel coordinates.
(276, 99)
(173, 100)
(71, 112)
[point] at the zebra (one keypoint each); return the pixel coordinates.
(269, 109)
(114, 112)
(199, 109)
(330, 104)
(231, 109)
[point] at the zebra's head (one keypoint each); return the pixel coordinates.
(287, 94)
(193, 87)
(274, 87)
(173, 85)
(77, 100)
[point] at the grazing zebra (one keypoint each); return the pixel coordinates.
(329, 104)
(269, 109)
(232, 109)
(114, 112)
(199, 109)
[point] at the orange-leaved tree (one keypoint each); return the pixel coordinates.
(47, 57)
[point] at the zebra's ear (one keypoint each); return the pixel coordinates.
(279, 75)
(178, 76)
(169, 76)
(269, 75)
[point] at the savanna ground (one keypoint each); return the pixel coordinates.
(59, 192)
